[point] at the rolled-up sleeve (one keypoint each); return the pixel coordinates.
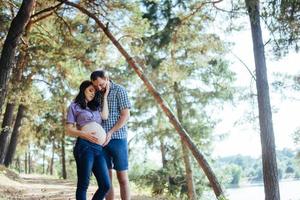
(123, 100)
(71, 117)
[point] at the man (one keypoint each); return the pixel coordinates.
(116, 130)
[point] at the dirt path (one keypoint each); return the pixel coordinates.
(34, 187)
(38, 187)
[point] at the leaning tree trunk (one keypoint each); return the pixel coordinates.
(14, 136)
(178, 127)
(10, 44)
(186, 159)
(5, 130)
(265, 114)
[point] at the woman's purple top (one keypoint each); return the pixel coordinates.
(81, 116)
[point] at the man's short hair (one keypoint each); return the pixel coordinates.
(98, 74)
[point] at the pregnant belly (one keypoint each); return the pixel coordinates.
(97, 128)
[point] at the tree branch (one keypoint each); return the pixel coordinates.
(42, 17)
(41, 80)
(66, 23)
(245, 65)
(50, 9)
(199, 8)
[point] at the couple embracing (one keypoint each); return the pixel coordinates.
(97, 117)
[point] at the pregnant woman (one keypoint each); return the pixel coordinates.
(83, 121)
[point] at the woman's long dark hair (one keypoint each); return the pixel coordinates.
(80, 98)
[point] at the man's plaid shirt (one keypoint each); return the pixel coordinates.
(117, 101)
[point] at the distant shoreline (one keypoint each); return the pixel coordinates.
(258, 184)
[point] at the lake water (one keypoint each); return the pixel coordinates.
(289, 190)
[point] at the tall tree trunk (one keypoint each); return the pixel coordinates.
(52, 158)
(189, 173)
(18, 165)
(44, 157)
(162, 142)
(14, 137)
(25, 163)
(163, 152)
(10, 44)
(178, 127)
(186, 158)
(265, 114)
(29, 161)
(5, 131)
(63, 157)
(63, 148)
(48, 166)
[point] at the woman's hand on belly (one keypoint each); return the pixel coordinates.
(90, 136)
(97, 131)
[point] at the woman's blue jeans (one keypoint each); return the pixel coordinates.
(90, 158)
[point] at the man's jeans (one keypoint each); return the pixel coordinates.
(90, 158)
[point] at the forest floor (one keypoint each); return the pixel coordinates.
(38, 187)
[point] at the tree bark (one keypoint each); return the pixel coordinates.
(189, 173)
(270, 172)
(162, 103)
(44, 157)
(63, 157)
(63, 154)
(52, 158)
(29, 161)
(10, 44)
(15, 136)
(5, 131)
(25, 163)
(18, 166)
(48, 166)
(162, 142)
(185, 153)
(163, 152)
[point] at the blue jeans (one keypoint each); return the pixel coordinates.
(89, 158)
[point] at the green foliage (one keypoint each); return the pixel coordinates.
(282, 18)
(234, 174)
(296, 136)
(222, 197)
(156, 179)
(237, 169)
(5, 17)
(167, 181)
